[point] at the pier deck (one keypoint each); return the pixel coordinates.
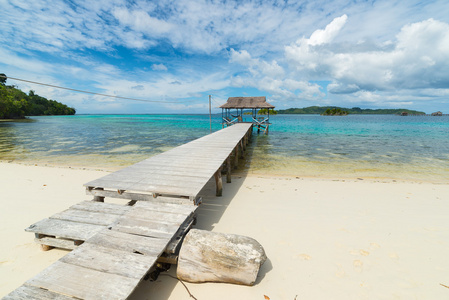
(116, 246)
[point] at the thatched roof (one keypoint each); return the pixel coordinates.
(247, 102)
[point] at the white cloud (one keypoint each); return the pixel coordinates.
(419, 59)
(325, 36)
(159, 67)
(270, 77)
(141, 21)
(256, 66)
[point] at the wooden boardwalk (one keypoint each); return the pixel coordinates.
(180, 172)
(116, 246)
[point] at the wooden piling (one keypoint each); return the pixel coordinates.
(228, 169)
(218, 183)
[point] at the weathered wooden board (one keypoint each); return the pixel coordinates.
(171, 188)
(149, 215)
(83, 283)
(162, 170)
(146, 228)
(171, 180)
(28, 292)
(63, 228)
(57, 243)
(136, 196)
(102, 207)
(87, 217)
(109, 260)
(167, 190)
(163, 206)
(128, 242)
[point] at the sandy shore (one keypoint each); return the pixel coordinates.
(325, 239)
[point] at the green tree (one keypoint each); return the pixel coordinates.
(16, 104)
(3, 79)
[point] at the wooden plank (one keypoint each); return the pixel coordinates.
(137, 196)
(146, 228)
(65, 229)
(166, 207)
(145, 214)
(170, 188)
(167, 190)
(173, 180)
(112, 261)
(83, 283)
(27, 292)
(57, 243)
(101, 207)
(162, 170)
(173, 162)
(175, 243)
(129, 242)
(84, 216)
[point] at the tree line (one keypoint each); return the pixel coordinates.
(15, 104)
(355, 110)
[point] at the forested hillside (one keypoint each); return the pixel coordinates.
(355, 110)
(15, 104)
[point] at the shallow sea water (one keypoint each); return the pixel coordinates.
(355, 146)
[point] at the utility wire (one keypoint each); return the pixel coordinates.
(216, 102)
(87, 92)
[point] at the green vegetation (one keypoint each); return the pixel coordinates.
(355, 110)
(15, 104)
(264, 111)
(335, 112)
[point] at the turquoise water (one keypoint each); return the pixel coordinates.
(300, 145)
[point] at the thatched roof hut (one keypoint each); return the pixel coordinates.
(247, 102)
(438, 114)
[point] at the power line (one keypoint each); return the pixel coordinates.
(216, 102)
(87, 92)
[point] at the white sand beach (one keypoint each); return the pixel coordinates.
(324, 238)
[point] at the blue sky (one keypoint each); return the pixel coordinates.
(370, 54)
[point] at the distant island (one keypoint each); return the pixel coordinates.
(15, 104)
(320, 110)
(335, 112)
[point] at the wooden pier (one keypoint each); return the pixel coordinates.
(116, 246)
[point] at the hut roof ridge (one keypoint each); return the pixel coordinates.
(247, 102)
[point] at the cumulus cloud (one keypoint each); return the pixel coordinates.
(271, 78)
(256, 65)
(159, 67)
(418, 59)
(325, 36)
